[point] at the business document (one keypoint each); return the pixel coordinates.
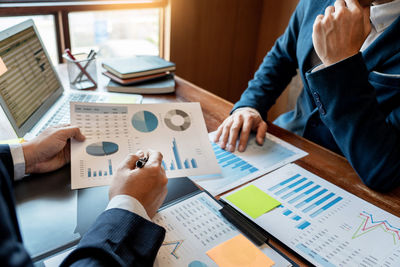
(113, 131)
(193, 227)
(325, 224)
(241, 167)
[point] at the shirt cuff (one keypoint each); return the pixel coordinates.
(19, 161)
(128, 203)
(317, 68)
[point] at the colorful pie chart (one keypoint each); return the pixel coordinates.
(102, 148)
(144, 121)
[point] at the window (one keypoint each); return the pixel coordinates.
(116, 33)
(113, 27)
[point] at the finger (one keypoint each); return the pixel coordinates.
(130, 161)
(317, 25)
(261, 131)
(244, 135)
(365, 3)
(155, 157)
(367, 21)
(234, 133)
(329, 11)
(218, 133)
(140, 153)
(72, 132)
(339, 4)
(353, 4)
(225, 134)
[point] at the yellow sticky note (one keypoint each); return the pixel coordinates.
(3, 67)
(253, 201)
(239, 252)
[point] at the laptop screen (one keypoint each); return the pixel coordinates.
(28, 78)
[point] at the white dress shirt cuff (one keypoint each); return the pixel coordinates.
(128, 203)
(19, 161)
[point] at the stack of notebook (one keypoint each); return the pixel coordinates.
(140, 74)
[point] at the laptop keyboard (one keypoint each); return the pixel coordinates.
(61, 116)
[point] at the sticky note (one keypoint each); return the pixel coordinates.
(253, 201)
(239, 252)
(3, 67)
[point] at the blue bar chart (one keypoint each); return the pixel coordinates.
(305, 196)
(232, 163)
(176, 163)
(100, 173)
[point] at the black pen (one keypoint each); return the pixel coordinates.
(141, 162)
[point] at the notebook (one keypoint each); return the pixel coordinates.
(31, 93)
(158, 86)
(138, 66)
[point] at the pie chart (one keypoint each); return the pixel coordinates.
(177, 120)
(102, 148)
(144, 121)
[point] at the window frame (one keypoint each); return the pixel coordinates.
(61, 9)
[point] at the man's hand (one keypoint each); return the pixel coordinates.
(50, 150)
(341, 32)
(243, 121)
(148, 184)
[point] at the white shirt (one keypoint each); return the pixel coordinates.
(120, 201)
(381, 16)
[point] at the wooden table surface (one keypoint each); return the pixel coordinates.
(320, 161)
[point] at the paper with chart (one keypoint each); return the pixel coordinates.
(193, 227)
(325, 224)
(113, 131)
(241, 167)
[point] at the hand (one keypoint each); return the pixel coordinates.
(50, 150)
(341, 32)
(148, 184)
(242, 121)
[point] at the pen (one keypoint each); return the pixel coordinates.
(89, 58)
(141, 162)
(80, 67)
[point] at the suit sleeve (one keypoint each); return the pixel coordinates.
(118, 238)
(12, 251)
(275, 72)
(368, 137)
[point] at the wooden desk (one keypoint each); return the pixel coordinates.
(320, 161)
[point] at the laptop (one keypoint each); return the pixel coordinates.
(31, 93)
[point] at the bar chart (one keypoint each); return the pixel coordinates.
(325, 224)
(100, 173)
(176, 162)
(306, 197)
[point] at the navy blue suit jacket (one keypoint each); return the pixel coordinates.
(117, 238)
(351, 107)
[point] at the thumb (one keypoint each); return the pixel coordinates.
(261, 131)
(130, 161)
(367, 22)
(72, 132)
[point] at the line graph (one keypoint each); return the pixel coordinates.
(175, 244)
(368, 224)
